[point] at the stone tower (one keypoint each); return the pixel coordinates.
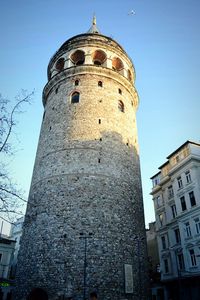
(84, 225)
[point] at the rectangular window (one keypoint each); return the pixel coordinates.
(192, 258)
(192, 199)
(181, 262)
(163, 240)
(159, 201)
(0, 256)
(180, 182)
(161, 217)
(177, 235)
(183, 204)
(197, 225)
(188, 230)
(188, 176)
(155, 181)
(174, 212)
(166, 266)
(170, 192)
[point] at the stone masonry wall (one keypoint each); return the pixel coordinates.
(86, 179)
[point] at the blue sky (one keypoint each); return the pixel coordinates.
(163, 40)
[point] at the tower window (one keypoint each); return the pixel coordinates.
(56, 91)
(78, 57)
(60, 64)
(121, 106)
(117, 64)
(99, 121)
(100, 83)
(129, 75)
(76, 82)
(99, 160)
(99, 57)
(120, 91)
(75, 97)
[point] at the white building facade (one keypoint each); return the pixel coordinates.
(176, 196)
(7, 247)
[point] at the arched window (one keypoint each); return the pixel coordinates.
(60, 64)
(129, 75)
(75, 97)
(100, 83)
(78, 57)
(76, 82)
(117, 64)
(121, 106)
(120, 91)
(98, 57)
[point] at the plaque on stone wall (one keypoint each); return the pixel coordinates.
(128, 269)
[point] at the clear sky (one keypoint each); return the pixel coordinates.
(163, 40)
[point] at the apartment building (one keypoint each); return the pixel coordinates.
(176, 196)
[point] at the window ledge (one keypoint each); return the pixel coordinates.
(188, 238)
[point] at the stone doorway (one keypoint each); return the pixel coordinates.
(37, 294)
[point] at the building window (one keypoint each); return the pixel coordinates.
(166, 266)
(177, 235)
(121, 106)
(159, 201)
(192, 199)
(188, 176)
(100, 83)
(117, 64)
(181, 262)
(192, 258)
(155, 181)
(120, 91)
(174, 212)
(75, 97)
(163, 241)
(76, 82)
(60, 64)
(78, 57)
(0, 256)
(170, 192)
(99, 57)
(180, 182)
(197, 225)
(188, 229)
(161, 217)
(129, 75)
(183, 203)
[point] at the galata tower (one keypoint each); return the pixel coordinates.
(84, 226)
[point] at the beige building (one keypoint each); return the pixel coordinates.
(176, 196)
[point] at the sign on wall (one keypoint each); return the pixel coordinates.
(128, 269)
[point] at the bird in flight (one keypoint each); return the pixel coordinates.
(132, 12)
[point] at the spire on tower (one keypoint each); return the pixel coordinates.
(93, 28)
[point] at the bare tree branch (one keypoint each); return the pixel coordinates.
(12, 201)
(12, 193)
